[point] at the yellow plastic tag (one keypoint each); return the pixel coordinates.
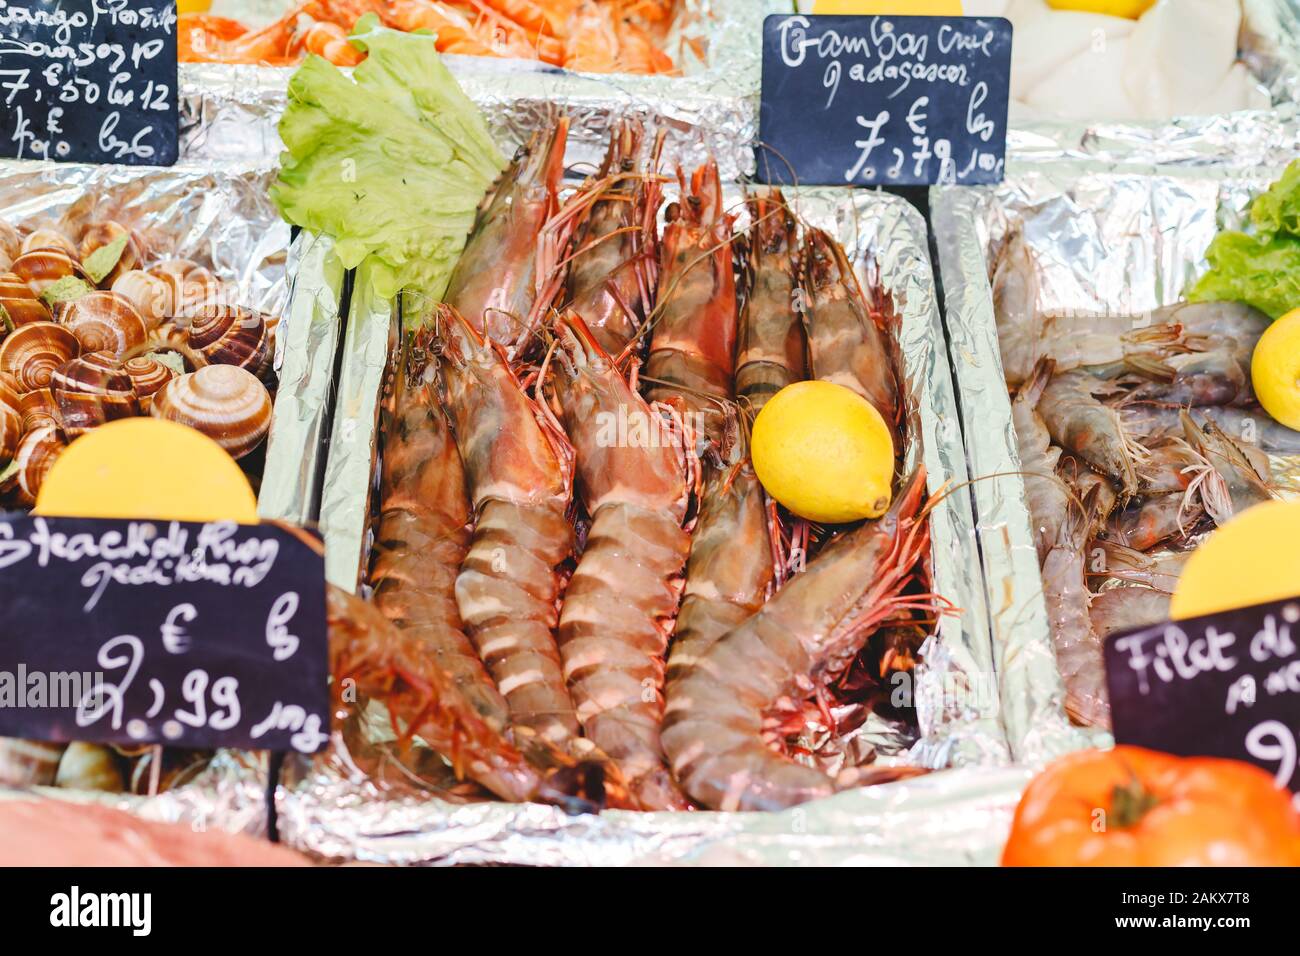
(896, 8)
(147, 468)
(1253, 559)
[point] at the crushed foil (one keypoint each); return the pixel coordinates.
(329, 809)
(222, 218)
(1107, 238)
(229, 113)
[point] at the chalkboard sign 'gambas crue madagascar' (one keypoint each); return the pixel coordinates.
(90, 81)
(887, 101)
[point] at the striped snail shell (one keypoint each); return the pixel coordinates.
(19, 303)
(176, 769)
(37, 453)
(49, 239)
(11, 244)
(103, 322)
(41, 268)
(90, 767)
(148, 375)
(39, 409)
(189, 284)
(32, 353)
(11, 420)
(100, 234)
(230, 335)
(150, 295)
(92, 390)
(224, 402)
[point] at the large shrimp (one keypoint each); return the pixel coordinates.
(1045, 495)
(496, 283)
(620, 603)
(1015, 307)
(519, 468)
(693, 345)
(1094, 431)
(813, 628)
(1065, 591)
(1234, 477)
(372, 660)
(424, 528)
(614, 265)
(732, 567)
(848, 343)
(771, 348)
(1247, 426)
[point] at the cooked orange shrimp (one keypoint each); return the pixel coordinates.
(620, 603)
(693, 344)
(807, 634)
(328, 40)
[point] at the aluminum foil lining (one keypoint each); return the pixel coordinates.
(223, 219)
(229, 113)
(327, 808)
(1107, 239)
(304, 362)
(1269, 46)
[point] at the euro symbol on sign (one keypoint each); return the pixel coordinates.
(174, 638)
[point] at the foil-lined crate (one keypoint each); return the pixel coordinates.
(1108, 239)
(223, 219)
(229, 112)
(328, 808)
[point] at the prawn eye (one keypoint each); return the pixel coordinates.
(672, 211)
(628, 165)
(695, 201)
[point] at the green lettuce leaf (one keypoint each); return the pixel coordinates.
(1262, 272)
(1260, 268)
(392, 162)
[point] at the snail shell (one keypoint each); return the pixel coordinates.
(11, 420)
(20, 303)
(229, 335)
(32, 353)
(100, 234)
(224, 402)
(36, 455)
(39, 409)
(148, 375)
(89, 767)
(175, 274)
(11, 244)
(150, 295)
(92, 390)
(103, 322)
(41, 268)
(49, 239)
(177, 768)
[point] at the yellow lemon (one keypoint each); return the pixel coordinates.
(1132, 9)
(147, 468)
(1253, 559)
(824, 452)
(193, 6)
(1275, 369)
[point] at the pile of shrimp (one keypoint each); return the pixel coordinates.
(594, 36)
(580, 591)
(1137, 434)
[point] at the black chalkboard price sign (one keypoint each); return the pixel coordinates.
(199, 635)
(884, 101)
(90, 81)
(1225, 685)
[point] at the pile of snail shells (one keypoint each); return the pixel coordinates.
(76, 354)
